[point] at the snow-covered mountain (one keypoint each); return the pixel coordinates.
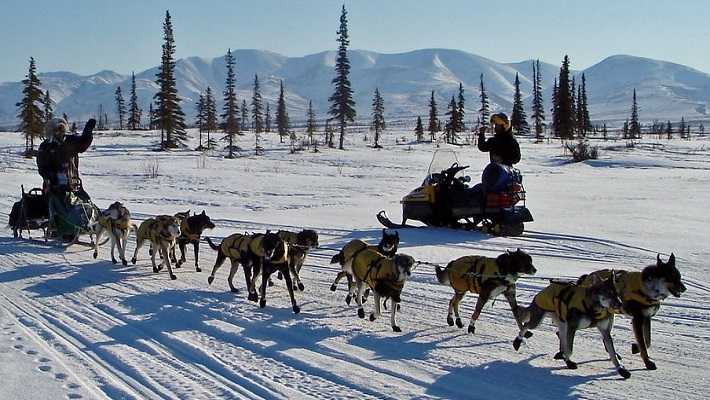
(665, 90)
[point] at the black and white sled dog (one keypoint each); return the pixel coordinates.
(191, 229)
(116, 221)
(299, 244)
(574, 307)
(389, 243)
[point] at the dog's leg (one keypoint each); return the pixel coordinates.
(196, 249)
(638, 324)
(181, 243)
(252, 269)
(115, 241)
(647, 332)
(605, 330)
(294, 270)
(152, 260)
(265, 275)
(139, 244)
(567, 333)
(509, 294)
(537, 315)
(164, 250)
(454, 305)
(99, 232)
(338, 277)
(232, 270)
(393, 317)
(360, 286)
(217, 263)
(125, 244)
(482, 300)
(289, 286)
(377, 312)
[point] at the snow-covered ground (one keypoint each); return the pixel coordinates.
(72, 326)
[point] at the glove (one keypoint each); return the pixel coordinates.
(90, 125)
(482, 130)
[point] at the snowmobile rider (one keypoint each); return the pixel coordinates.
(58, 157)
(504, 152)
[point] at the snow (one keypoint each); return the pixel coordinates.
(96, 330)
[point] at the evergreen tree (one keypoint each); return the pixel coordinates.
(120, 107)
(230, 110)
(450, 128)
(564, 125)
(267, 119)
(282, 124)
(378, 116)
(634, 127)
(669, 130)
(538, 108)
(433, 127)
(210, 117)
(518, 119)
(460, 111)
(573, 108)
(245, 116)
(419, 130)
(587, 122)
(30, 115)
(555, 109)
(171, 117)
(257, 114)
(625, 130)
(201, 109)
(48, 108)
(604, 132)
(484, 112)
(134, 111)
(151, 117)
(342, 105)
(311, 123)
(701, 129)
(681, 128)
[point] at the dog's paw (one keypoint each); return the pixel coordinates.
(198, 269)
(472, 329)
(372, 316)
(571, 364)
(650, 365)
(348, 299)
(113, 260)
(361, 313)
(271, 283)
(124, 262)
(300, 286)
(96, 254)
(233, 290)
(450, 320)
(296, 309)
(279, 276)
(634, 348)
(559, 356)
(133, 261)
(528, 334)
(395, 328)
(253, 297)
(516, 343)
(155, 270)
(262, 303)
(459, 323)
(173, 277)
(333, 288)
(624, 372)
(210, 279)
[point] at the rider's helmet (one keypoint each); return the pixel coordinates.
(56, 128)
(500, 119)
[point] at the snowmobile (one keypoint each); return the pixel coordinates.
(446, 200)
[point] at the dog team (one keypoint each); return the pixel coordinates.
(591, 301)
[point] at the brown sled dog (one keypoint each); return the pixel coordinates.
(249, 251)
(191, 229)
(384, 275)
(575, 307)
(116, 221)
(161, 231)
(641, 295)
(488, 277)
(281, 261)
(299, 244)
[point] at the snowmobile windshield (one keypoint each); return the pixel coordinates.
(442, 160)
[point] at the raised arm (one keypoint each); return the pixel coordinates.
(79, 144)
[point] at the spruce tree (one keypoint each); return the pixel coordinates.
(48, 108)
(555, 109)
(419, 130)
(257, 113)
(230, 110)
(701, 129)
(201, 109)
(564, 125)
(342, 105)
(282, 124)
(484, 112)
(120, 107)
(452, 122)
(604, 132)
(170, 115)
(134, 111)
(518, 119)
(460, 110)
(669, 130)
(30, 115)
(378, 116)
(573, 105)
(538, 108)
(585, 107)
(245, 116)
(681, 128)
(625, 130)
(579, 117)
(634, 127)
(210, 117)
(267, 118)
(433, 127)
(310, 123)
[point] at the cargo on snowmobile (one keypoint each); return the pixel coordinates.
(445, 199)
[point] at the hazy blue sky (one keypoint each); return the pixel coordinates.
(86, 36)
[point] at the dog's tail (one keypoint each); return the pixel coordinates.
(442, 276)
(212, 245)
(338, 258)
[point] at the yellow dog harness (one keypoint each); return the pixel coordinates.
(561, 299)
(469, 273)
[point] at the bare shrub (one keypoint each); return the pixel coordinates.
(582, 151)
(151, 168)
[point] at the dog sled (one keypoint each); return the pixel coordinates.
(30, 213)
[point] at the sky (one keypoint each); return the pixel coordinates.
(87, 36)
